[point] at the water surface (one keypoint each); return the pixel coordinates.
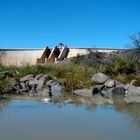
(32, 120)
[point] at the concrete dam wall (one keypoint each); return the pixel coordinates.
(22, 57)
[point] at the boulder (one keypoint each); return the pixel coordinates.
(109, 83)
(24, 87)
(44, 78)
(100, 78)
(33, 83)
(56, 88)
(107, 92)
(97, 89)
(118, 84)
(132, 91)
(40, 86)
(26, 78)
(39, 76)
(118, 91)
(83, 92)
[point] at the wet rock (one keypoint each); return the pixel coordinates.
(118, 91)
(83, 92)
(100, 78)
(109, 83)
(39, 76)
(97, 89)
(26, 78)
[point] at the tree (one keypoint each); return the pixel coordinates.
(134, 52)
(135, 41)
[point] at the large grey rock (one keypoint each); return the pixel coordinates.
(100, 78)
(40, 86)
(33, 83)
(39, 76)
(109, 83)
(132, 91)
(118, 91)
(107, 92)
(44, 78)
(97, 89)
(26, 78)
(119, 84)
(57, 89)
(83, 92)
(24, 87)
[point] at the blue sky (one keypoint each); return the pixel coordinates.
(77, 23)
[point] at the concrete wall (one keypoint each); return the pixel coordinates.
(21, 57)
(29, 56)
(81, 51)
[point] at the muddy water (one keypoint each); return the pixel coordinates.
(33, 120)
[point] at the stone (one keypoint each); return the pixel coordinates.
(56, 88)
(100, 78)
(118, 91)
(39, 76)
(24, 87)
(33, 83)
(26, 78)
(132, 91)
(119, 84)
(134, 83)
(40, 86)
(44, 78)
(97, 89)
(83, 92)
(109, 83)
(107, 92)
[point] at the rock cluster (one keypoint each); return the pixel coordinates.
(107, 87)
(40, 85)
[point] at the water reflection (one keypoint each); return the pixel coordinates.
(4, 103)
(131, 110)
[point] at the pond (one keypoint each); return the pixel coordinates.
(34, 120)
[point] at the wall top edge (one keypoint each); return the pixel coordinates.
(52, 48)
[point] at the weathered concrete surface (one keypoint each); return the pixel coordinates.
(22, 57)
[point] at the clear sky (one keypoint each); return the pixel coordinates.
(77, 23)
